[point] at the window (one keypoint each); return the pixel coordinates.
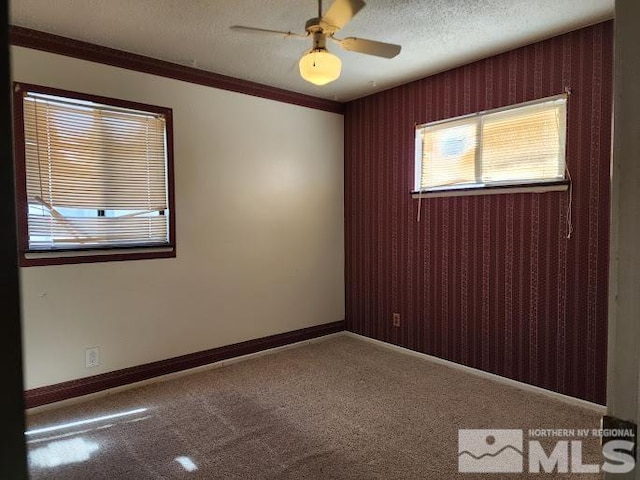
(517, 146)
(95, 178)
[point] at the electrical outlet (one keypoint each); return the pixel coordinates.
(92, 357)
(396, 320)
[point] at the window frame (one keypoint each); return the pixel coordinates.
(29, 258)
(492, 188)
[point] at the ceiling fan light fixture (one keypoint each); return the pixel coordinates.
(319, 66)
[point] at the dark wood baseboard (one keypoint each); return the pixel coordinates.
(84, 386)
(37, 40)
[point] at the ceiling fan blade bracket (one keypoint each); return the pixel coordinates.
(244, 29)
(327, 28)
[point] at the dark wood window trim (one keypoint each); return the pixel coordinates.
(61, 257)
(34, 39)
(537, 187)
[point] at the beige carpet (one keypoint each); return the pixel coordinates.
(338, 409)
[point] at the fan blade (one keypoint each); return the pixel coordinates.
(340, 13)
(240, 28)
(369, 47)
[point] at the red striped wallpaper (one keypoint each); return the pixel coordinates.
(487, 281)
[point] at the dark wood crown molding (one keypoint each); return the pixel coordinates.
(84, 386)
(37, 40)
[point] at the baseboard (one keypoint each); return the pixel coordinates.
(84, 389)
(134, 375)
(490, 376)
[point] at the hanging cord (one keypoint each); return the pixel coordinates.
(36, 102)
(51, 210)
(569, 218)
(415, 126)
(570, 192)
(53, 213)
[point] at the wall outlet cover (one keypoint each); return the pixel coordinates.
(92, 357)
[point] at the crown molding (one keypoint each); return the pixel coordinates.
(37, 40)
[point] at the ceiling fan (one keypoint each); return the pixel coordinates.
(318, 65)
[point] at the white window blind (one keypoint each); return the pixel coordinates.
(517, 145)
(449, 153)
(96, 175)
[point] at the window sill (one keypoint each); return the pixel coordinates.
(61, 257)
(559, 186)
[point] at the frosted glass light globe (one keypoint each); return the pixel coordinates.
(320, 67)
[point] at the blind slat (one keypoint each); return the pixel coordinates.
(522, 144)
(81, 155)
(47, 232)
(526, 147)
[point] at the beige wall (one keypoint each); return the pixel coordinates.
(255, 256)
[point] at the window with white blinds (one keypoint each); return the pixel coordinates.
(96, 175)
(518, 145)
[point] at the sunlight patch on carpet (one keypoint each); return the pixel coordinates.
(84, 422)
(187, 464)
(63, 452)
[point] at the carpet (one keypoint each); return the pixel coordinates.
(342, 408)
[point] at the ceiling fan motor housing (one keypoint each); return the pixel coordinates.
(316, 31)
(313, 25)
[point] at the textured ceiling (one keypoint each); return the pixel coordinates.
(435, 34)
